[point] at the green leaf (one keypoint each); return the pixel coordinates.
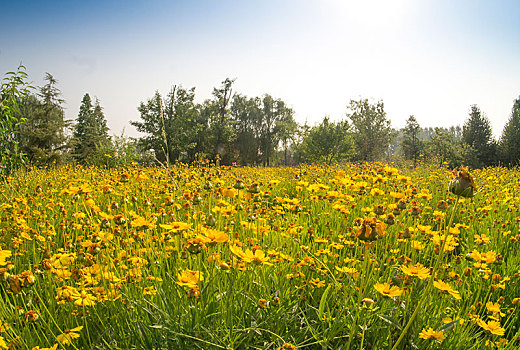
(323, 301)
(390, 320)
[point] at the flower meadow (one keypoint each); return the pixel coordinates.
(358, 256)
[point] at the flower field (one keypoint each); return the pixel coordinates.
(364, 256)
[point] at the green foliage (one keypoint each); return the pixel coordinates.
(172, 125)
(121, 151)
(42, 135)
(14, 88)
(90, 131)
(247, 116)
(221, 133)
(328, 143)
(477, 133)
(371, 129)
(411, 144)
(277, 121)
(444, 146)
(510, 139)
(261, 124)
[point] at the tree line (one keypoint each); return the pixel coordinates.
(232, 128)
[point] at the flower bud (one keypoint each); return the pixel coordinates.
(463, 184)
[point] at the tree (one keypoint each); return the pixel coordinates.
(42, 136)
(410, 143)
(477, 133)
(172, 125)
(277, 120)
(444, 145)
(510, 139)
(90, 131)
(247, 116)
(221, 132)
(327, 142)
(371, 130)
(13, 90)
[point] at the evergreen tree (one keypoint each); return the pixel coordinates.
(510, 139)
(477, 133)
(410, 143)
(372, 132)
(42, 135)
(90, 131)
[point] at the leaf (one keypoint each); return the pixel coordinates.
(448, 326)
(390, 320)
(323, 301)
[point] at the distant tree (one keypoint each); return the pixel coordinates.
(221, 133)
(477, 133)
(246, 116)
(410, 143)
(444, 146)
(510, 139)
(14, 89)
(328, 142)
(277, 120)
(42, 135)
(90, 131)
(287, 134)
(172, 125)
(371, 129)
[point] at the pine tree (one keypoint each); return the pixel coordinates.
(42, 135)
(91, 131)
(510, 139)
(411, 144)
(477, 133)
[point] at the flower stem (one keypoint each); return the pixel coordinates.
(430, 281)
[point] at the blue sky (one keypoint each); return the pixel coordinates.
(431, 58)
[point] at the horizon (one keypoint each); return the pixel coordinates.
(432, 59)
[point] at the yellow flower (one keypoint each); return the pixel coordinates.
(54, 347)
(348, 270)
(317, 282)
(417, 270)
(149, 291)
(190, 278)
(66, 338)
(84, 299)
(431, 334)
(3, 344)
(388, 291)
(446, 289)
(4, 254)
(492, 327)
(258, 257)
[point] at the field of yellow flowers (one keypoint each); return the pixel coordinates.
(362, 256)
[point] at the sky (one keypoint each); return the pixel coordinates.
(429, 58)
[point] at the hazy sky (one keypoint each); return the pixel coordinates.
(431, 58)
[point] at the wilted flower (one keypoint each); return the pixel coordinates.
(370, 229)
(463, 183)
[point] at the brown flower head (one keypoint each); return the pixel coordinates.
(463, 183)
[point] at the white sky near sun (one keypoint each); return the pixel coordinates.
(432, 59)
